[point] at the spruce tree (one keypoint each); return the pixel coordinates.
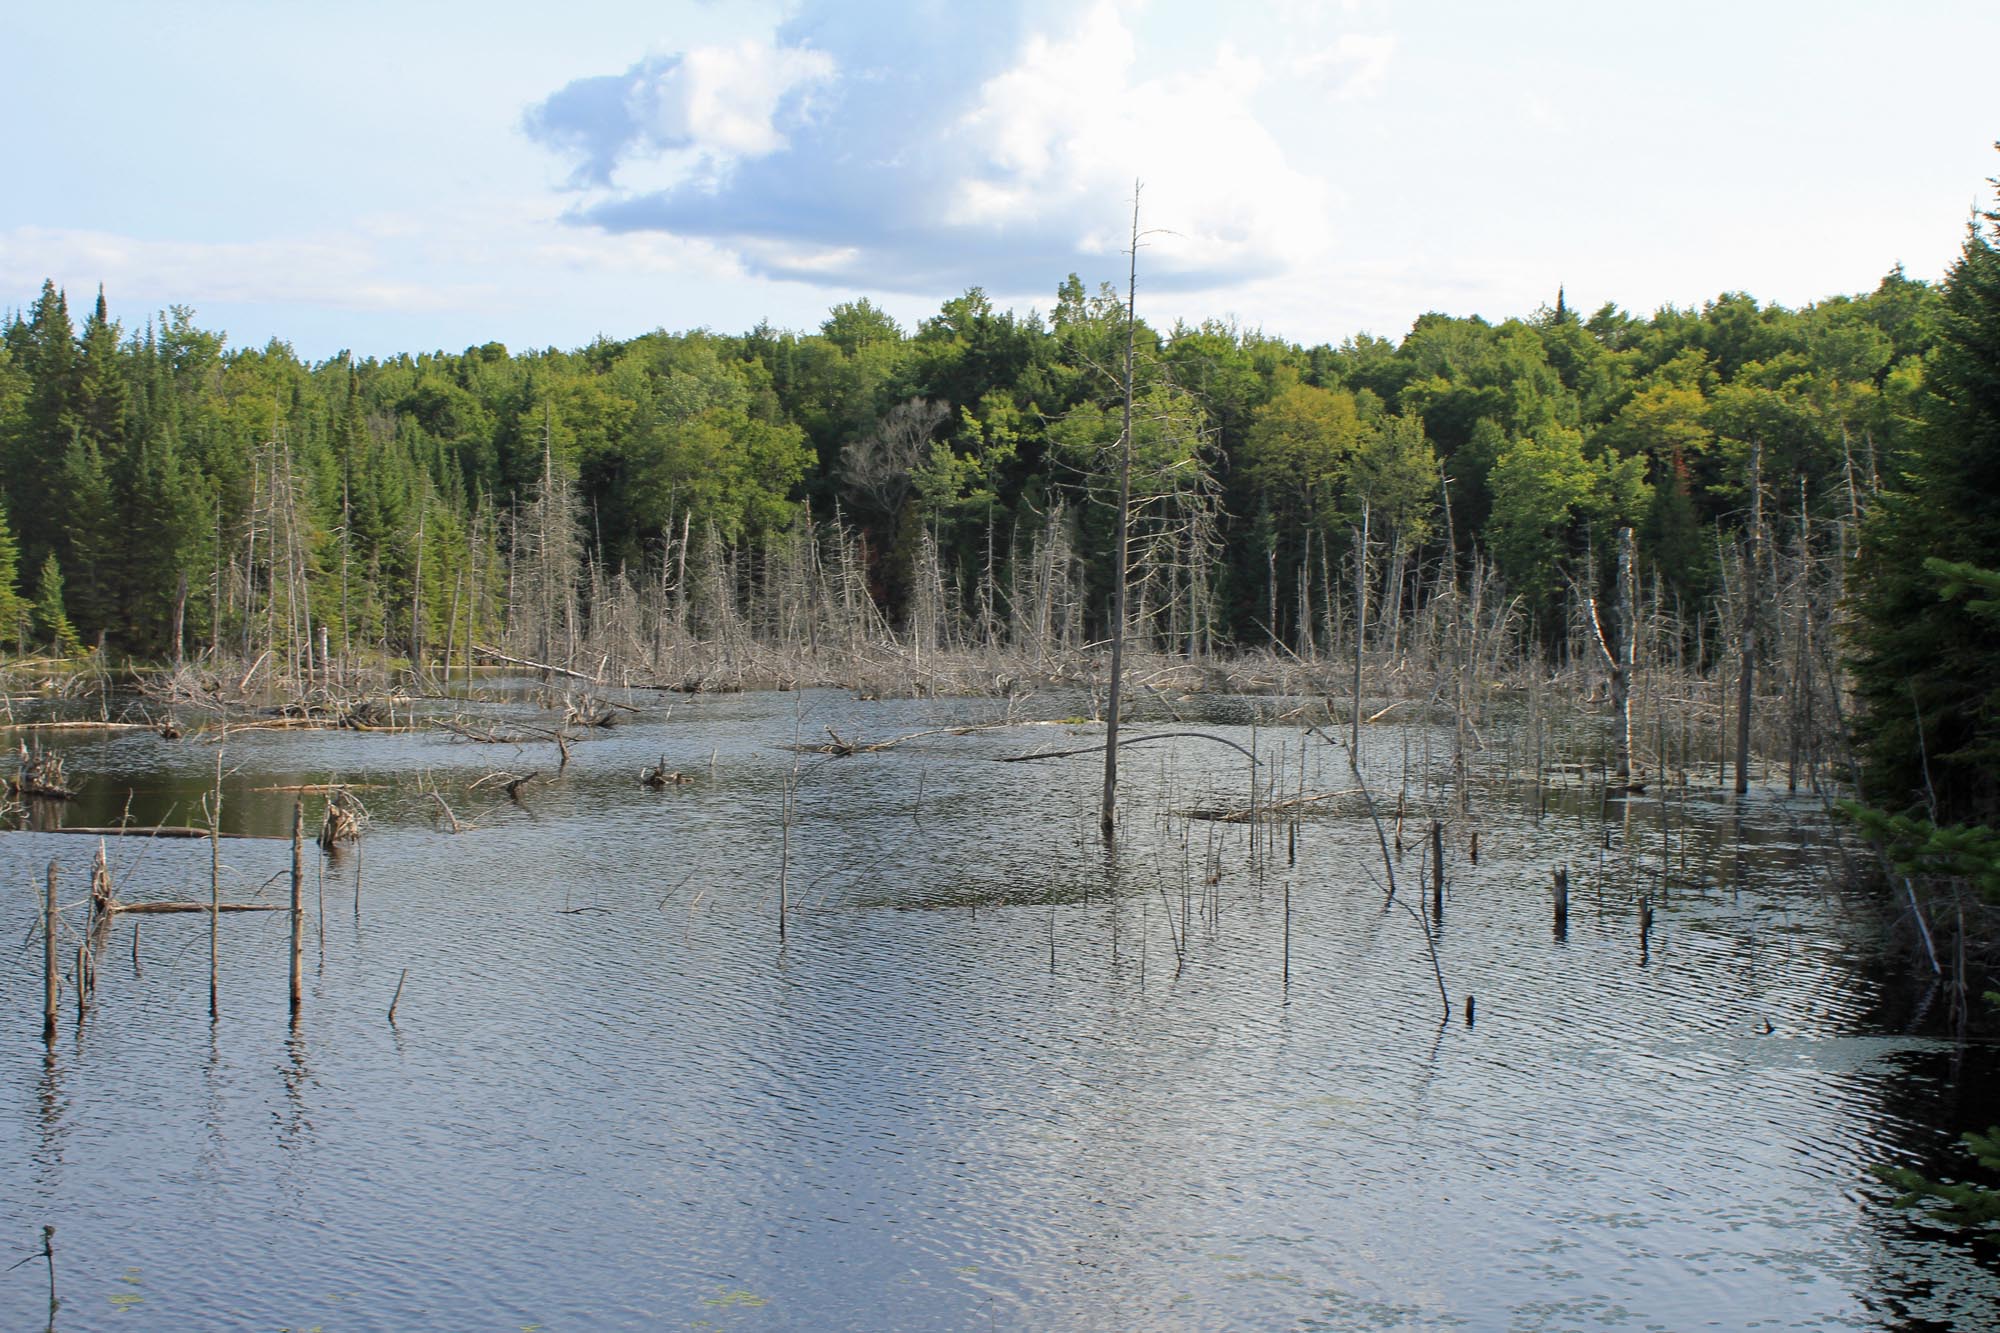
(103, 402)
(49, 356)
(13, 607)
(1926, 664)
(50, 617)
(91, 544)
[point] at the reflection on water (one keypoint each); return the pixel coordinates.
(997, 1075)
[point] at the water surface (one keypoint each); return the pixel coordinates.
(988, 1080)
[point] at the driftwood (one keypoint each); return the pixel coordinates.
(1272, 812)
(840, 747)
(343, 820)
(163, 909)
(40, 791)
(456, 826)
(154, 831)
(1133, 740)
(508, 782)
(485, 736)
(498, 656)
(307, 724)
(75, 726)
(40, 774)
(585, 715)
(662, 776)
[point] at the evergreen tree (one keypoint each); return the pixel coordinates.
(103, 401)
(13, 607)
(49, 615)
(49, 419)
(165, 528)
(90, 539)
(1926, 665)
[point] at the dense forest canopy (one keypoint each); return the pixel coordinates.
(154, 477)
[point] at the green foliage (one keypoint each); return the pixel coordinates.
(1394, 473)
(13, 607)
(143, 458)
(50, 618)
(1964, 1203)
(1550, 500)
(1926, 663)
(1916, 847)
(1926, 659)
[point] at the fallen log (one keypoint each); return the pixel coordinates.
(152, 831)
(164, 909)
(1269, 812)
(499, 656)
(75, 726)
(1133, 740)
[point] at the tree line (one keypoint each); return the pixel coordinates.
(166, 493)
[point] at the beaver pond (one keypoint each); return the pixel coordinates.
(995, 1075)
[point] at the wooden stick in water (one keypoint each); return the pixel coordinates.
(214, 881)
(298, 888)
(1437, 870)
(51, 986)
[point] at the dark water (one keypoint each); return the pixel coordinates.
(613, 1100)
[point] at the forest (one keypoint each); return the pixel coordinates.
(160, 485)
(1781, 527)
(169, 498)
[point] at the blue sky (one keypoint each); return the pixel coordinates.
(414, 176)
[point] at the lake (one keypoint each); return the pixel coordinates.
(995, 1076)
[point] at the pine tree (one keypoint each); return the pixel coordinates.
(1926, 665)
(13, 607)
(165, 530)
(103, 403)
(49, 421)
(49, 615)
(90, 546)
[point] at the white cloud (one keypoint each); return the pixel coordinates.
(1060, 136)
(691, 116)
(724, 100)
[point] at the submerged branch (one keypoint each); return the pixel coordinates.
(1134, 740)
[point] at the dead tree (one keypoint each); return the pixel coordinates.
(1746, 677)
(1108, 810)
(1618, 658)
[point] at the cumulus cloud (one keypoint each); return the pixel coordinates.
(718, 103)
(937, 146)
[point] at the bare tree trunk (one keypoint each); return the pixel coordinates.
(1746, 678)
(180, 617)
(346, 531)
(1271, 587)
(1360, 629)
(1108, 810)
(1305, 631)
(1619, 658)
(417, 594)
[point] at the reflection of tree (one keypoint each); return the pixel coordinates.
(295, 1130)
